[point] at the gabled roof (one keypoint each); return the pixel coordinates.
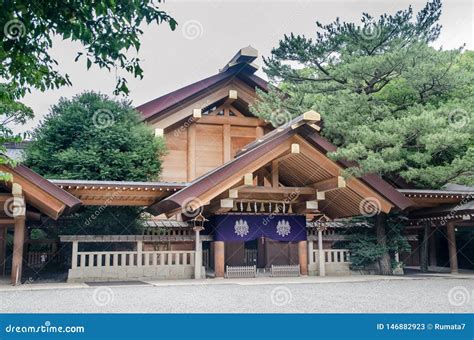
(240, 66)
(263, 147)
(41, 193)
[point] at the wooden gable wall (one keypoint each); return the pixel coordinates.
(197, 146)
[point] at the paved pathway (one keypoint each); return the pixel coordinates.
(292, 295)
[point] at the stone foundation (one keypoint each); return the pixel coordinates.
(132, 273)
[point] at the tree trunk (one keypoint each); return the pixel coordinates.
(385, 264)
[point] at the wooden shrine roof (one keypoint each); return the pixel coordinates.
(311, 164)
(240, 67)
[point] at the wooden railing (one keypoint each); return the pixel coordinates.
(133, 258)
(39, 258)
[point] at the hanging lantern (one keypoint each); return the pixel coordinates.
(290, 210)
(241, 206)
(255, 207)
(283, 207)
(234, 207)
(199, 221)
(262, 207)
(249, 208)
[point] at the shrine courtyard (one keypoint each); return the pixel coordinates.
(368, 294)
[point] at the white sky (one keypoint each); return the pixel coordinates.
(219, 28)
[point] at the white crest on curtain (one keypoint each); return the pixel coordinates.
(283, 228)
(241, 227)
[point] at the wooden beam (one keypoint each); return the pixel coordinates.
(225, 205)
(309, 117)
(231, 120)
(295, 148)
(306, 207)
(191, 153)
(330, 184)
(275, 174)
(231, 98)
(277, 190)
(248, 179)
(159, 132)
(197, 114)
(226, 143)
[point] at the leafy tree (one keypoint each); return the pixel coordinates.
(388, 100)
(364, 247)
(92, 137)
(108, 30)
(12, 112)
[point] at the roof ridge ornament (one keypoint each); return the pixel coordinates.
(244, 57)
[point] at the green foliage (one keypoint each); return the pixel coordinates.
(108, 30)
(388, 100)
(92, 137)
(11, 112)
(362, 241)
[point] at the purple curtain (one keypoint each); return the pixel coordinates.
(250, 227)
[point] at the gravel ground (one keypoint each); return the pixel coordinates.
(427, 295)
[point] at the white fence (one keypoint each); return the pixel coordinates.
(122, 265)
(336, 262)
(133, 258)
(332, 256)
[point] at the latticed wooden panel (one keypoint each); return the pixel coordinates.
(240, 271)
(279, 271)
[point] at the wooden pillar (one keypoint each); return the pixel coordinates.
(275, 175)
(219, 258)
(424, 248)
(3, 248)
(453, 256)
(18, 242)
(303, 257)
(226, 143)
(191, 156)
(321, 257)
(310, 252)
(385, 264)
(432, 250)
(198, 254)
